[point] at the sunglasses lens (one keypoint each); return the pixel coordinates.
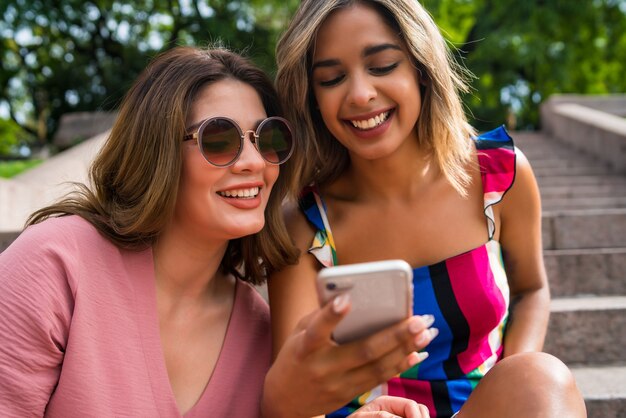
(275, 141)
(221, 142)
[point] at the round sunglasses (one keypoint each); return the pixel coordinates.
(220, 140)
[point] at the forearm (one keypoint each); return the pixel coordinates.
(277, 411)
(272, 406)
(528, 321)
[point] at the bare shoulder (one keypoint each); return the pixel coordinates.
(524, 190)
(521, 206)
(522, 166)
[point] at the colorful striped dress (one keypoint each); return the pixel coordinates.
(468, 294)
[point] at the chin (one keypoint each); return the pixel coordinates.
(244, 230)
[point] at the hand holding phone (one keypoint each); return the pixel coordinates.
(381, 293)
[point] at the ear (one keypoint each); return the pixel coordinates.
(424, 80)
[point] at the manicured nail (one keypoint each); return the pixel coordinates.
(341, 302)
(428, 320)
(415, 325)
(433, 333)
(417, 357)
(427, 336)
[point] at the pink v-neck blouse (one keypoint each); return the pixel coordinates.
(79, 333)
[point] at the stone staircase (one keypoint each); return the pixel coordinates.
(584, 237)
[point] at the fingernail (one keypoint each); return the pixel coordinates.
(426, 336)
(433, 333)
(422, 338)
(428, 320)
(415, 325)
(417, 357)
(341, 302)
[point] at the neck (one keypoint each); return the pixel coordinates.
(188, 272)
(398, 177)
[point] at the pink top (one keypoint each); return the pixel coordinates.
(80, 335)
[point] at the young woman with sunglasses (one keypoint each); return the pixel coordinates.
(387, 167)
(134, 297)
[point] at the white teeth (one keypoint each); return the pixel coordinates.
(241, 193)
(371, 122)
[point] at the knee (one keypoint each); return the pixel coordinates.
(540, 369)
(525, 385)
(547, 382)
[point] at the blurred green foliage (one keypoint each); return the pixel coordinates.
(74, 55)
(9, 169)
(524, 51)
(11, 136)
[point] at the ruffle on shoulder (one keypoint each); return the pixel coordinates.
(323, 245)
(497, 160)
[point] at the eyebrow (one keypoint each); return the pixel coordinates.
(194, 127)
(371, 50)
(368, 51)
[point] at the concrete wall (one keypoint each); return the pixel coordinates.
(593, 124)
(43, 185)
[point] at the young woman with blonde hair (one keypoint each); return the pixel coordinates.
(387, 167)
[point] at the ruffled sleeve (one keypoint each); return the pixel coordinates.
(323, 245)
(496, 157)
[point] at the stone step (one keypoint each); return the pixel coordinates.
(6, 238)
(545, 148)
(536, 139)
(582, 180)
(552, 203)
(604, 390)
(573, 170)
(584, 233)
(560, 163)
(591, 228)
(591, 191)
(542, 149)
(588, 330)
(540, 157)
(586, 271)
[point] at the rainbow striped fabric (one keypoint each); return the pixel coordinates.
(468, 294)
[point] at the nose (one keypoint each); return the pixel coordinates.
(250, 159)
(361, 90)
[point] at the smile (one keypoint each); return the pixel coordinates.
(371, 122)
(241, 193)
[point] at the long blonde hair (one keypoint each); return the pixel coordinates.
(442, 125)
(135, 177)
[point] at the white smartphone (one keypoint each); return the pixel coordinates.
(381, 294)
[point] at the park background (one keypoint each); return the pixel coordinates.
(64, 56)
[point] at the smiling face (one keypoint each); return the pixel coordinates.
(365, 84)
(224, 203)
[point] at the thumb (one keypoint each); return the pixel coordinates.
(321, 324)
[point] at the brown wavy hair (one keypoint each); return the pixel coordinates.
(135, 177)
(442, 126)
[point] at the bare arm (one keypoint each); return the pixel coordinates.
(520, 237)
(292, 292)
